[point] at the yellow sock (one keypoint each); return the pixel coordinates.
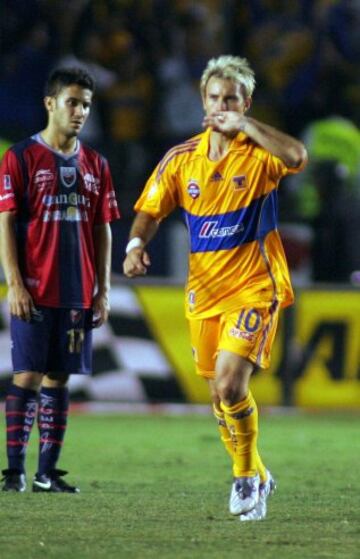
(242, 423)
(260, 468)
(259, 463)
(228, 444)
(224, 431)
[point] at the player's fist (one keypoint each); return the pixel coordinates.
(20, 302)
(227, 122)
(136, 263)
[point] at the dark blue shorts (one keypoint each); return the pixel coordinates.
(54, 341)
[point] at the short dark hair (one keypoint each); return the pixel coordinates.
(63, 77)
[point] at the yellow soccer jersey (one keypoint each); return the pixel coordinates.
(230, 209)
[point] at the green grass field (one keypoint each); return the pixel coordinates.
(157, 487)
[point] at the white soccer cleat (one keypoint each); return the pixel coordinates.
(244, 494)
(259, 511)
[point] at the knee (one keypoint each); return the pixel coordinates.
(232, 378)
(227, 390)
(231, 387)
(215, 398)
(55, 380)
(28, 380)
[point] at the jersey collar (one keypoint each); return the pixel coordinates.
(38, 138)
(238, 142)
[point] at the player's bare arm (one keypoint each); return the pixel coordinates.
(20, 301)
(103, 242)
(290, 150)
(142, 231)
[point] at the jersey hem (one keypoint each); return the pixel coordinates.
(232, 308)
(62, 306)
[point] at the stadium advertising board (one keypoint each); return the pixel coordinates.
(143, 353)
(326, 370)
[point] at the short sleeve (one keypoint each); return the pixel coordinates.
(107, 207)
(11, 182)
(276, 168)
(160, 196)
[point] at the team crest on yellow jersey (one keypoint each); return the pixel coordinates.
(193, 189)
(240, 182)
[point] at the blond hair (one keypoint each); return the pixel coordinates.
(229, 67)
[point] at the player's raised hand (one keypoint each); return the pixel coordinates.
(136, 263)
(20, 302)
(227, 122)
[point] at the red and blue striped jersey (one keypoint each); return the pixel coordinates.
(58, 200)
(230, 209)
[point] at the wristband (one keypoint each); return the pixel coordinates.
(136, 242)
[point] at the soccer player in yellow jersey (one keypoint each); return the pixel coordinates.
(226, 180)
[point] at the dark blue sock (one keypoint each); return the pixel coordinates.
(52, 420)
(20, 412)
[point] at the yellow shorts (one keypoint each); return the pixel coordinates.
(249, 333)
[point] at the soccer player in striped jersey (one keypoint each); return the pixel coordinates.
(226, 182)
(56, 204)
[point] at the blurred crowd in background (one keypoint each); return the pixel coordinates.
(147, 57)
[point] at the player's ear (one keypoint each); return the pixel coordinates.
(203, 102)
(49, 103)
(247, 103)
(203, 97)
